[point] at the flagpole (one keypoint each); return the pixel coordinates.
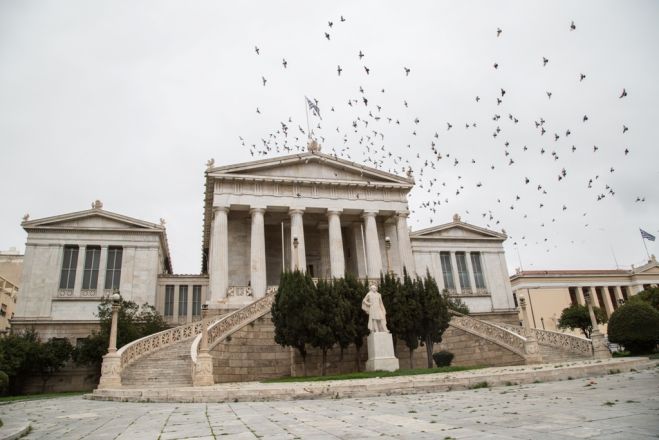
(646, 248)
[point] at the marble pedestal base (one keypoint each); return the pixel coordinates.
(381, 352)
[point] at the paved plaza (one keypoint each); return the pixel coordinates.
(617, 406)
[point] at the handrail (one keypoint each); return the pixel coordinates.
(221, 328)
(148, 344)
(486, 330)
(577, 344)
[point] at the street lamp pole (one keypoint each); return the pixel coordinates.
(111, 367)
(387, 247)
(600, 349)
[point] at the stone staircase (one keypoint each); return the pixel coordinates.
(170, 367)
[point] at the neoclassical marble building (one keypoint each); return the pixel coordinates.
(309, 211)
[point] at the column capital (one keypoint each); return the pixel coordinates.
(220, 209)
(369, 213)
(293, 211)
(334, 211)
(256, 210)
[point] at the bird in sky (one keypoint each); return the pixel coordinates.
(499, 32)
(496, 65)
(327, 36)
(284, 62)
(624, 128)
(368, 71)
(264, 80)
(581, 77)
(361, 55)
(572, 26)
(342, 19)
(257, 50)
(407, 71)
(623, 94)
(330, 24)
(339, 70)
(544, 61)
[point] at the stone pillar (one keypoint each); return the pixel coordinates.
(456, 274)
(218, 268)
(608, 306)
(404, 243)
(600, 350)
(619, 296)
(594, 298)
(298, 253)
(580, 296)
(470, 269)
(203, 369)
(257, 253)
(80, 271)
(111, 366)
(337, 259)
(525, 315)
(102, 267)
(373, 256)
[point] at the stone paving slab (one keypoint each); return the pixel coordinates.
(615, 406)
(440, 382)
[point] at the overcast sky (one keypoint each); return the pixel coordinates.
(125, 101)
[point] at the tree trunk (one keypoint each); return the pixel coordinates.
(429, 351)
(322, 367)
(411, 358)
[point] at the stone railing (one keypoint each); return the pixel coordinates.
(564, 341)
(64, 293)
(239, 291)
(222, 327)
(503, 337)
(131, 352)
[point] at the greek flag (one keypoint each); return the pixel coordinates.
(647, 235)
(313, 107)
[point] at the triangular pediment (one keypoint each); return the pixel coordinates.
(309, 166)
(93, 219)
(458, 231)
(650, 268)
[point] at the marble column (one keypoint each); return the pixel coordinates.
(257, 253)
(102, 268)
(80, 271)
(580, 297)
(337, 259)
(298, 255)
(218, 268)
(404, 243)
(595, 298)
(619, 294)
(456, 274)
(608, 306)
(373, 256)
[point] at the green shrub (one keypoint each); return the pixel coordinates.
(4, 381)
(635, 325)
(443, 358)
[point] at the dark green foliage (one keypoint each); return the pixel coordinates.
(294, 312)
(133, 322)
(346, 316)
(327, 326)
(443, 358)
(353, 291)
(650, 296)
(635, 325)
(23, 355)
(455, 304)
(577, 316)
(433, 313)
(406, 314)
(4, 381)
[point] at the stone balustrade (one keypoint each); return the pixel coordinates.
(508, 339)
(564, 341)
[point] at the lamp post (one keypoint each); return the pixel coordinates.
(203, 369)
(600, 349)
(531, 348)
(387, 246)
(111, 367)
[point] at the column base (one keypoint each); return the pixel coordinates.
(110, 372)
(203, 371)
(532, 350)
(600, 349)
(381, 353)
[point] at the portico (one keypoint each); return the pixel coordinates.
(311, 212)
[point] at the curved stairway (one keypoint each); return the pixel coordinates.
(169, 358)
(169, 367)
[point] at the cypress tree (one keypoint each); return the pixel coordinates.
(433, 312)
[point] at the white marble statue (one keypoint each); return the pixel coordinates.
(377, 316)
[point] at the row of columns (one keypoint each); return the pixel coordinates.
(219, 247)
(608, 304)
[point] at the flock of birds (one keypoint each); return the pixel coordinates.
(368, 131)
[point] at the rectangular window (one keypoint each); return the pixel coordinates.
(113, 268)
(169, 300)
(479, 277)
(182, 300)
(68, 277)
(196, 300)
(447, 270)
(573, 295)
(90, 275)
(463, 272)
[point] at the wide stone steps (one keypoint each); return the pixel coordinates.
(169, 367)
(553, 354)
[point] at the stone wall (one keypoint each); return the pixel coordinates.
(70, 378)
(252, 354)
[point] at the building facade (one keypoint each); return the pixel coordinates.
(312, 212)
(548, 292)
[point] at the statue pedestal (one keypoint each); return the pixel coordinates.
(381, 352)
